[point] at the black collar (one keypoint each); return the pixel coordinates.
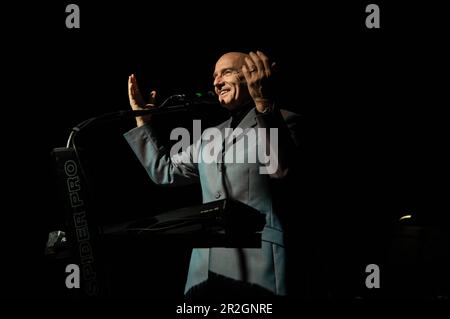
(238, 114)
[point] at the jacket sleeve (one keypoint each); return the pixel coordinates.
(281, 141)
(164, 169)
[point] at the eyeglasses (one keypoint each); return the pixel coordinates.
(225, 73)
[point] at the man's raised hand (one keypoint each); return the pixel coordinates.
(137, 102)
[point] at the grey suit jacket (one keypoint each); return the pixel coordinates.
(243, 182)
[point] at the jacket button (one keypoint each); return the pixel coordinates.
(218, 194)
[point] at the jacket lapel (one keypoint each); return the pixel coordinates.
(249, 120)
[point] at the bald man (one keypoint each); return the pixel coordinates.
(242, 84)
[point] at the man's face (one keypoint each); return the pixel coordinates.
(229, 82)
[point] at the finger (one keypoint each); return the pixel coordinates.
(135, 87)
(152, 98)
(265, 61)
(131, 83)
(246, 73)
(258, 63)
(250, 65)
(130, 87)
(133, 92)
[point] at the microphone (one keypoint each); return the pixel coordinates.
(204, 106)
(192, 99)
(200, 96)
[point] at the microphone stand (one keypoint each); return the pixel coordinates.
(127, 113)
(82, 231)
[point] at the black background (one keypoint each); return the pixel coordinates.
(375, 137)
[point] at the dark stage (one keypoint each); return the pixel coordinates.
(374, 142)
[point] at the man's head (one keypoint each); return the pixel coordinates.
(229, 82)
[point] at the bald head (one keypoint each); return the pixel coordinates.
(237, 57)
(229, 82)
